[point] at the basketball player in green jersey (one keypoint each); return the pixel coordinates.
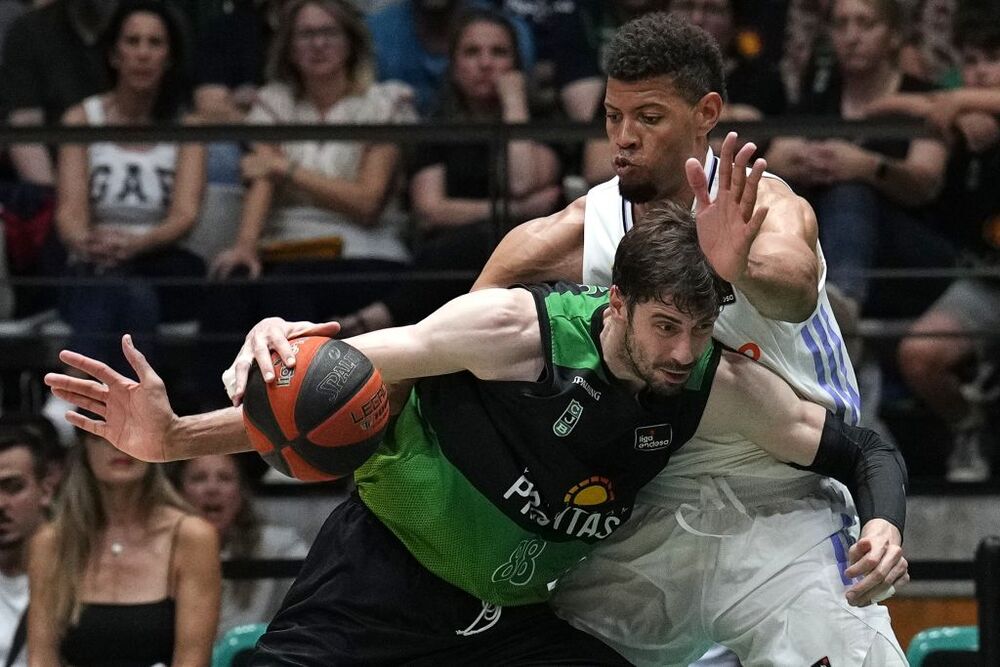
(542, 412)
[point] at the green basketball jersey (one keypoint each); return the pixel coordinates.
(499, 487)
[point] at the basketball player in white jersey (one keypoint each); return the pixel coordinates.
(727, 545)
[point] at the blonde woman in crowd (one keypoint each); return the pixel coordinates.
(125, 575)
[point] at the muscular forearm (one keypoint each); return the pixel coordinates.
(781, 283)
(872, 469)
(218, 432)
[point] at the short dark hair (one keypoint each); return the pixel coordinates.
(658, 44)
(660, 259)
(12, 436)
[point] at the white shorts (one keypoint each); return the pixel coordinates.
(765, 580)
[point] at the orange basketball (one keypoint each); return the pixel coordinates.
(322, 418)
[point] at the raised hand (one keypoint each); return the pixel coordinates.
(271, 334)
(136, 417)
(728, 226)
(878, 558)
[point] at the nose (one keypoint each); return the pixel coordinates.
(625, 135)
(683, 352)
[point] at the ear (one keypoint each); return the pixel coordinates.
(707, 112)
(619, 309)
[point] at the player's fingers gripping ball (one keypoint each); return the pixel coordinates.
(322, 418)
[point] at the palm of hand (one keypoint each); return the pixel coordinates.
(138, 416)
(724, 236)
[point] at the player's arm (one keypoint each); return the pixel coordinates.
(782, 272)
(757, 234)
(751, 400)
(494, 334)
(549, 248)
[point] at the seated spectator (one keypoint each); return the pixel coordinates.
(217, 486)
(124, 208)
(559, 27)
(25, 495)
(230, 66)
(753, 86)
(956, 375)
(410, 38)
(930, 54)
(51, 60)
(334, 200)
(450, 187)
(870, 197)
(125, 574)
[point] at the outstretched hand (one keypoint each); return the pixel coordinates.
(136, 417)
(728, 226)
(271, 334)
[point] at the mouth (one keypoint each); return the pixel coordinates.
(674, 376)
(122, 462)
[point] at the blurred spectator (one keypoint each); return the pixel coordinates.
(753, 86)
(450, 187)
(231, 59)
(578, 51)
(931, 54)
(329, 200)
(557, 26)
(124, 575)
(51, 60)
(411, 44)
(25, 495)
(123, 208)
(217, 486)
(870, 197)
(807, 54)
(957, 376)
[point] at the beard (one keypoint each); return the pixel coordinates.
(646, 371)
(637, 192)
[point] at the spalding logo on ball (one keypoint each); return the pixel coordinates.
(321, 419)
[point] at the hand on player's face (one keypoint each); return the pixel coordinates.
(271, 334)
(878, 558)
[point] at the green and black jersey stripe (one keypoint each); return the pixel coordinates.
(499, 487)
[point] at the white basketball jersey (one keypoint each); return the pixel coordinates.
(810, 356)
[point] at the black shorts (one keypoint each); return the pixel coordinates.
(362, 599)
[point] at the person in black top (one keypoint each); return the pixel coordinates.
(451, 183)
(124, 575)
(869, 196)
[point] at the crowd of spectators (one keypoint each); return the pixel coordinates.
(114, 219)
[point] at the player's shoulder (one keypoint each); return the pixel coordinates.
(565, 225)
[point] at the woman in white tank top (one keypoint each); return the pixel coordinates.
(123, 208)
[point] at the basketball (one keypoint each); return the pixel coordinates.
(321, 419)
